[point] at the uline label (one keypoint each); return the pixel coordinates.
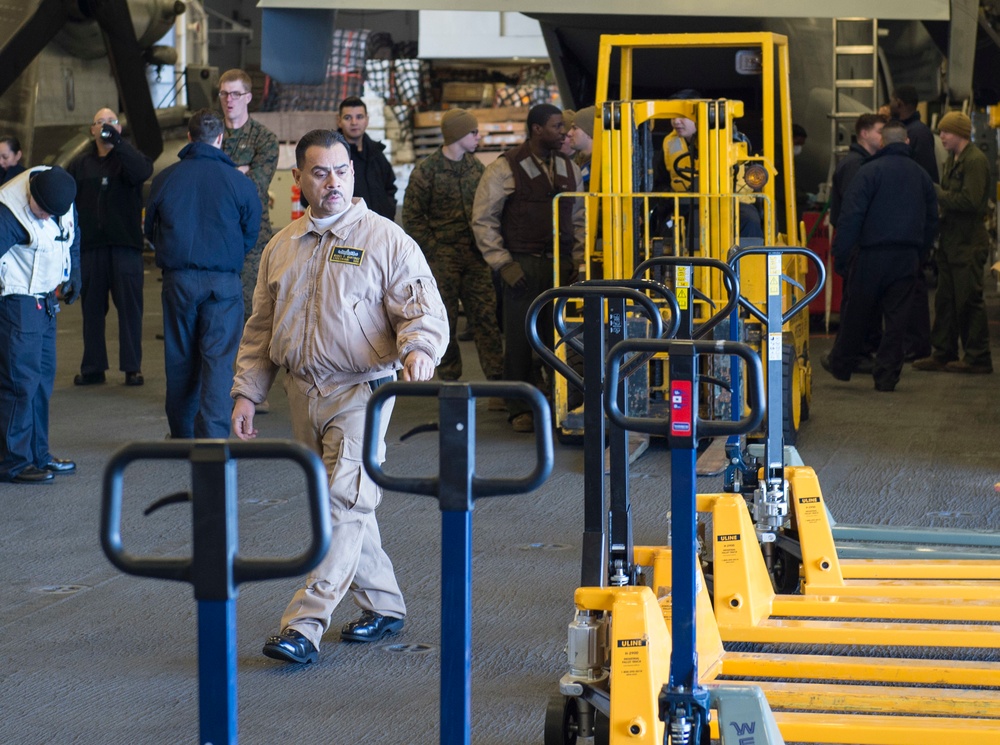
(809, 500)
(727, 537)
(631, 642)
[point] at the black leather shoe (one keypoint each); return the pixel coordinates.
(865, 366)
(32, 475)
(58, 465)
(290, 646)
(134, 378)
(370, 627)
(88, 379)
(825, 362)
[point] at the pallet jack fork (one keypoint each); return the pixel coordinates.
(824, 573)
(863, 699)
(748, 610)
(831, 699)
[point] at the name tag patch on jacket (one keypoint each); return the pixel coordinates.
(347, 255)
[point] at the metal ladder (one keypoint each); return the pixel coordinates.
(855, 73)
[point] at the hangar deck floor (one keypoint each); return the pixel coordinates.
(92, 656)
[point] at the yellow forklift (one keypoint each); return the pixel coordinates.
(738, 192)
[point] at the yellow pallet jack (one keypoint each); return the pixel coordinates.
(817, 698)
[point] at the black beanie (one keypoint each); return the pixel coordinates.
(54, 190)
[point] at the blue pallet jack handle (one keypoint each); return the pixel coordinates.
(683, 701)
(215, 568)
(456, 488)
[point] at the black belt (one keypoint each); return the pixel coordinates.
(373, 384)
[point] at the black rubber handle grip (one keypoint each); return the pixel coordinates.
(704, 427)
(244, 570)
(731, 282)
(580, 292)
(481, 487)
(783, 250)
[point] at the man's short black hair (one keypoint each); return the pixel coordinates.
(868, 121)
(907, 94)
(318, 138)
(204, 126)
(894, 131)
(350, 102)
(540, 115)
(799, 131)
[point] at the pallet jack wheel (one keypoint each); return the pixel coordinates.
(791, 396)
(562, 722)
(785, 572)
(602, 729)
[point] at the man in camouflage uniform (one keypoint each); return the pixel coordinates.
(437, 210)
(254, 150)
(964, 246)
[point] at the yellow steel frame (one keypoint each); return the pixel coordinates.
(747, 609)
(618, 207)
(774, 56)
(860, 700)
(825, 574)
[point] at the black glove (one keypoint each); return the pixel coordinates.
(70, 289)
(513, 275)
(841, 266)
(110, 135)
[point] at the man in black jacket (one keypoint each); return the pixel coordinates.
(867, 141)
(890, 214)
(202, 219)
(109, 178)
(903, 105)
(374, 180)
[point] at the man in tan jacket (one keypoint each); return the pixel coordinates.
(344, 298)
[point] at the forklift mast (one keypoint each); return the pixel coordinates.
(737, 187)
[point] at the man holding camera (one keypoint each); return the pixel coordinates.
(109, 178)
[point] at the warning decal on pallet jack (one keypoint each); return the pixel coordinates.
(811, 510)
(728, 548)
(632, 662)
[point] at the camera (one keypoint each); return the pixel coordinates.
(107, 133)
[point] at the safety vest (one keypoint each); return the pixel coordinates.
(43, 263)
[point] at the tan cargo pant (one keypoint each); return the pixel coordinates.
(334, 426)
